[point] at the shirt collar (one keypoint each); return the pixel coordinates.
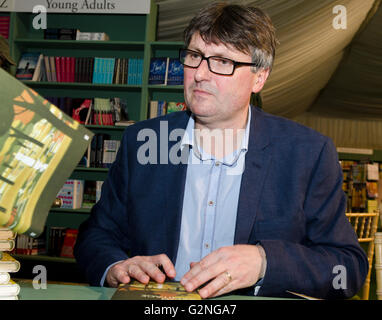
(188, 138)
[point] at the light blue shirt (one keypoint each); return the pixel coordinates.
(210, 201)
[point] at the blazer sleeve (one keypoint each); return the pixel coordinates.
(102, 239)
(331, 247)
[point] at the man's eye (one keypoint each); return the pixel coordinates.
(194, 56)
(223, 62)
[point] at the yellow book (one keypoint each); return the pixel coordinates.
(9, 289)
(7, 245)
(7, 234)
(9, 264)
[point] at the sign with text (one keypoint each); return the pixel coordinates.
(79, 6)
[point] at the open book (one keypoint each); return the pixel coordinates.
(39, 148)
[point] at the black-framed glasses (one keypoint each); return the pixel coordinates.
(218, 65)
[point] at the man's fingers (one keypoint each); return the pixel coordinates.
(164, 261)
(116, 276)
(135, 271)
(221, 284)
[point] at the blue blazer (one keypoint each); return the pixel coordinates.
(291, 202)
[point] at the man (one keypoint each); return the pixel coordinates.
(5, 58)
(255, 201)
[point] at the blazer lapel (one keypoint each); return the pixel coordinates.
(257, 162)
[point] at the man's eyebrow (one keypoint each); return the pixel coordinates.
(221, 55)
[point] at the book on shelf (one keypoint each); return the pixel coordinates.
(124, 123)
(158, 108)
(30, 246)
(166, 71)
(109, 152)
(372, 205)
(99, 36)
(27, 65)
(158, 70)
(37, 74)
(175, 72)
(4, 26)
(56, 240)
(69, 243)
(60, 34)
(9, 289)
(71, 194)
(372, 172)
(176, 106)
(153, 291)
(62, 241)
(8, 263)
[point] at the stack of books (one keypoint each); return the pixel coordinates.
(9, 289)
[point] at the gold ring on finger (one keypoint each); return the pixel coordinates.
(229, 277)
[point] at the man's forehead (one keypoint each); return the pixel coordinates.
(214, 45)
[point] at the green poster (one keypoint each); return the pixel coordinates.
(39, 148)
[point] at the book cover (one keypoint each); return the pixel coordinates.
(176, 106)
(39, 148)
(175, 72)
(154, 291)
(37, 72)
(89, 197)
(27, 65)
(71, 194)
(158, 71)
(8, 263)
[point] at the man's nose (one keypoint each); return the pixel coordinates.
(202, 72)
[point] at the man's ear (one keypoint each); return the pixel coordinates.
(261, 77)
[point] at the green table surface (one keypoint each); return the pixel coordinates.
(71, 291)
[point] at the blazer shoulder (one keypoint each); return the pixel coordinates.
(290, 130)
(177, 119)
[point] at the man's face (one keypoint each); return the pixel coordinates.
(219, 100)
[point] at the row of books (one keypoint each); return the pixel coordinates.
(76, 194)
(35, 66)
(73, 34)
(30, 246)
(101, 152)
(4, 26)
(360, 184)
(9, 289)
(94, 111)
(166, 71)
(158, 108)
(62, 241)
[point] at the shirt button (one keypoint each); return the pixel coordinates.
(206, 245)
(210, 203)
(217, 163)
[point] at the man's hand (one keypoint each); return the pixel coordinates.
(141, 268)
(228, 268)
